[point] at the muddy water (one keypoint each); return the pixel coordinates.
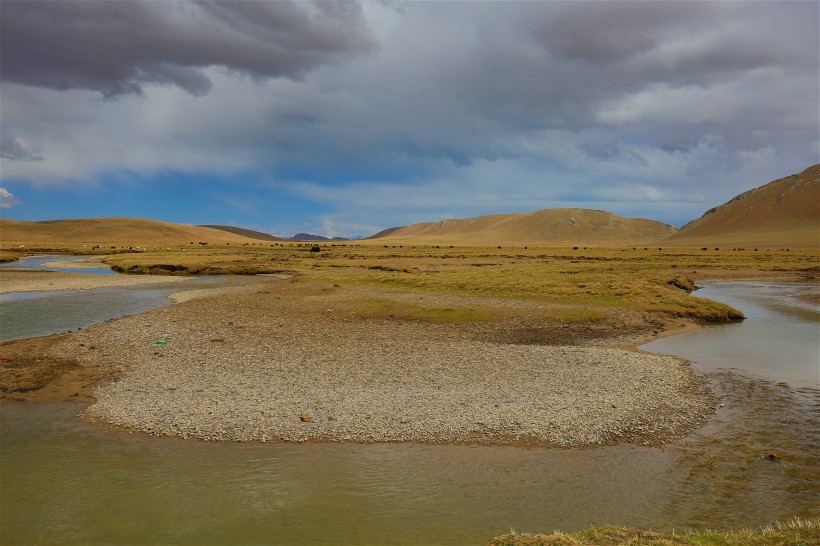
(64, 481)
(67, 482)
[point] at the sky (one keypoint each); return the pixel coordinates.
(346, 118)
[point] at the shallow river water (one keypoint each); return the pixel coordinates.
(780, 338)
(32, 314)
(65, 481)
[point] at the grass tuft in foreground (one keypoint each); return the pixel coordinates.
(797, 531)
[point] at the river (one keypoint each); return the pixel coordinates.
(779, 340)
(65, 481)
(33, 314)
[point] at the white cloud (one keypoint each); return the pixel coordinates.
(7, 200)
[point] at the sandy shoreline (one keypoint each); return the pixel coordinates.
(287, 361)
(42, 281)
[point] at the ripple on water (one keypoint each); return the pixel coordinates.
(756, 461)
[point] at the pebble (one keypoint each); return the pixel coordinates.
(289, 370)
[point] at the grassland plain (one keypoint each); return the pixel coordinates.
(655, 280)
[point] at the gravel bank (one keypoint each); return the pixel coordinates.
(79, 263)
(278, 362)
(38, 281)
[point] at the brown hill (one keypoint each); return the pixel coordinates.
(113, 230)
(783, 213)
(245, 232)
(550, 227)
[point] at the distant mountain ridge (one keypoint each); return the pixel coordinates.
(782, 213)
(310, 237)
(245, 232)
(268, 237)
(549, 227)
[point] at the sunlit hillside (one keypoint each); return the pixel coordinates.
(550, 227)
(783, 213)
(114, 230)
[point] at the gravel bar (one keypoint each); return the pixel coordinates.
(44, 281)
(282, 362)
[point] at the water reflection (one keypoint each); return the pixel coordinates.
(65, 478)
(35, 263)
(779, 340)
(32, 314)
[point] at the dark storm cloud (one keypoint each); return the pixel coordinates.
(435, 109)
(16, 149)
(116, 46)
(558, 64)
(612, 32)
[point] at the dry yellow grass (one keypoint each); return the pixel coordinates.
(797, 532)
(551, 227)
(650, 279)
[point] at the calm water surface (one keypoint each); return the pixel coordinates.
(35, 263)
(32, 314)
(65, 481)
(780, 338)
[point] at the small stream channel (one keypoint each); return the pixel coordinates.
(779, 340)
(65, 481)
(33, 314)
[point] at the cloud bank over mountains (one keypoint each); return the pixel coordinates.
(364, 116)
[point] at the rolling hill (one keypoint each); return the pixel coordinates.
(114, 230)
(783, 213)
(245, 232)
(550, 227)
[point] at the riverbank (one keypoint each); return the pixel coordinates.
(31, 372)
(298, 361)
(38, 281)
(88, 262)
